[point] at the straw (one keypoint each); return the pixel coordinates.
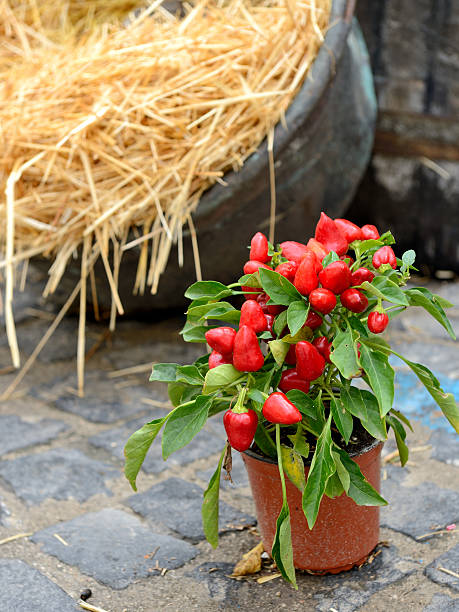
(112, 125)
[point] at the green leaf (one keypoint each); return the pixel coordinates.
(210, 505)
(221, 376)
(341, 472)
(222, 311)
(280, 322)
(293, 467)
(329, 258)
(445, 401)
(408, 259)
(189, 374)
(299, 443)
(344, 354)
(443, 302)
(342, 418)
(137, 447)
(280, 290)
(334, 486)
(400, 435)
(402, 417)
(184, 423)
(297, 314)
(364, 405)
(164, 372)
(308, 407)
(380, 375)
(360, 489)
(250, 280)
(207, 289)
(194, 333)
(422, 297)
(304, 333)
(358, 326)
(282, 551)
(279, 350)
(386, 289)
(322, 467)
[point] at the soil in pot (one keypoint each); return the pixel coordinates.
(344, 534)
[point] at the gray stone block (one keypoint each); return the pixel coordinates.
(442, 603)
(16, 434)
(415, 511)
(221, 588)
(205, 443)
(447, 561)
(25, 589)
(445, 447)
(58, 474)
(186, 499)
(349, 591)
(114, 547)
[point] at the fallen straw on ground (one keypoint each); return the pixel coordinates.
(112, 125)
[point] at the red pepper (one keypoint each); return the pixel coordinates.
(273, 309)
(306, 276)
(323, 346)
(336, 277)
(309, 362)
(270, 323)
(384, 255)
(313, 320)
(370, 232)
(377, 321)
(253, 316)
(279, 409)
(247, 355)
(290, 380)
(259, 248)
(293, 251)
(354, 300)
(221, 339)
(322, 300)
(216, 359)
(288, 270)
(319, 249)
(328, 233)
(350, 230)
(361, 275)
(253, 266)
(290, 357)
(240, 428)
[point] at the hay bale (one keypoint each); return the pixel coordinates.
(111, 124)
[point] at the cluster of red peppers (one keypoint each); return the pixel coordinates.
(327, 287)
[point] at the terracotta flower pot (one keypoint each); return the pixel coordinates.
(344, 533)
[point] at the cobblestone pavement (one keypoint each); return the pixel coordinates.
(79, 525)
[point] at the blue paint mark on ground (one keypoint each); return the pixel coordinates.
(412, 399)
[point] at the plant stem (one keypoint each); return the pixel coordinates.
(279, 462)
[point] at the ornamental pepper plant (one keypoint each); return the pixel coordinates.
(296, 365)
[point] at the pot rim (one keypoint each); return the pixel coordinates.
(370, 446)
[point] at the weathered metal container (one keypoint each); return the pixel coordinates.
(319, 161)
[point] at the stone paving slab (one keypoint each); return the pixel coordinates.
(58, 474)
(185, 498)
(17, 434)
(25, 589)
(351, 590)
(429, 506)
(450, 561)
(238, 474)
(114, 547)
(204, 444)
(445, 447)
(216, 578)
(442, 603)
